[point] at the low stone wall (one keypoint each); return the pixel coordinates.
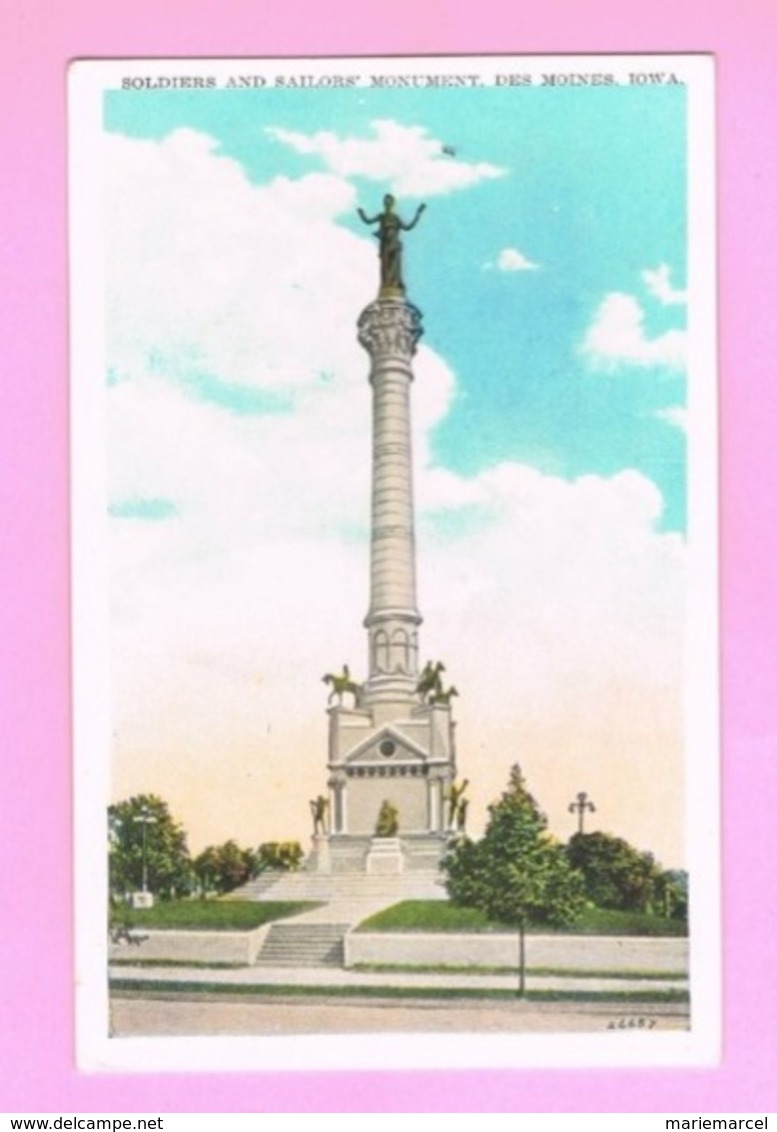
(563, 952)
(240, 948)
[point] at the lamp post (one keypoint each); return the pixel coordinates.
(144, 898)
(581, 805)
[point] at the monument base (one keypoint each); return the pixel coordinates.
(348, 854)
(385, 857)
(320, 858)
(142, 900)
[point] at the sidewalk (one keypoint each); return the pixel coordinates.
(340, 979)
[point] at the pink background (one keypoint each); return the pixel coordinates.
(36, 998)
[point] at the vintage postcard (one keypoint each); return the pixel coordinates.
(394, 576)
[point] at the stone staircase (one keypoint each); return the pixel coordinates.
(344, 888)
(314, 938)
(303, 945)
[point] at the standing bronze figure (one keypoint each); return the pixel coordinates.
(318, 810)
(390, 251)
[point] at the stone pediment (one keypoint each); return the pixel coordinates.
(386, 747)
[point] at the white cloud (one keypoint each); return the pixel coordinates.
(403, 158)
(676, 416)
(617, 337)
(659, 285)
(557, 608)
(510, 259)
(209, 275)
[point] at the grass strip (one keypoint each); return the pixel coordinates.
(198, 964)
(215, 915)
(442, 916)
(141, 986)
(555, 972)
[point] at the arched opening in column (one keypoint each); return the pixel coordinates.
(400, 651)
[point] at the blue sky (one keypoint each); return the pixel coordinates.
(548, 433)
(591, 192)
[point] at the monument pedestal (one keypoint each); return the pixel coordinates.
(320, 856)
(385, 857)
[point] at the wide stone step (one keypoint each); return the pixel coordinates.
(258, 885)
(303, 945)
(332, 887)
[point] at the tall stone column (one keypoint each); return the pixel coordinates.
(389, 329)
(394, 743)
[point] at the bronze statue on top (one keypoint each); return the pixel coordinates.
(390, 251)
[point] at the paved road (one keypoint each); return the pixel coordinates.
(164, 1015)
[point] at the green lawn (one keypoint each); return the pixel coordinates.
(553, 972)
(139, 988)
(440, 916)
(213, 915)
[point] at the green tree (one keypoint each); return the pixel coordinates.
(224, 867)
(284, 855)
(517, 873)
(146, 843)
(672, 894)
(205, 867)
(616, 874)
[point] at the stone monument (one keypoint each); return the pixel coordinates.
(391, 742)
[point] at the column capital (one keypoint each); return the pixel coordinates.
(390, 328)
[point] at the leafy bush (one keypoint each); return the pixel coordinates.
(223, 868)
(616, 875)
(284, 855)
